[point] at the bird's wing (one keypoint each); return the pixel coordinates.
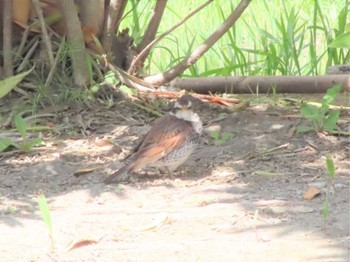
(167, 134)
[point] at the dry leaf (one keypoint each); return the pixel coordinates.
(103, 142)
(311, 192)
(80, 243)
(291, 131)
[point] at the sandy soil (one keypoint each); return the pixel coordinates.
(239, 199)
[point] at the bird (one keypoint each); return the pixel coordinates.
(170, 141)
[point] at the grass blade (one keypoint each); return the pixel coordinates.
(330, 167)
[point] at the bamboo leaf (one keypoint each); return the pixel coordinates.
(21, 126)
(11, 82)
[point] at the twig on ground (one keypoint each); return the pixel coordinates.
(270, 150)
(208, 98)
(147, 109)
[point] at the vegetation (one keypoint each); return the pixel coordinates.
(288, 42)
(322, 118)
(46, 216)
(330, 181)
(269, 39)
(26, 144)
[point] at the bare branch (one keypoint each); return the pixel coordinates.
(46, 38)
(76, 41)
(152, 28)
(262, 84)
(145, 51)
(7, 38)
(167, 76)
(130, 80)
(115, 12)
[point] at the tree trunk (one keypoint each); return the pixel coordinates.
(76, 43)
(7, 38)
(91, 14)
(114, 13)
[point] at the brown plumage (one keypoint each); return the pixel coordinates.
(170, 141)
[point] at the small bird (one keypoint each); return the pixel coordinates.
(170, 141)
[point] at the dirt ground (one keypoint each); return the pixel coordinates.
(236, 199)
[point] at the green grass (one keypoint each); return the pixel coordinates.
(46, 216)
(271, 38)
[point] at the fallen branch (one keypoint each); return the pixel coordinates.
(261, 84)
(129, 80)
(207, 98)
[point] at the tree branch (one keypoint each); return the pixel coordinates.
(115, 12)
(152, 28)
(146, 50)
(167, 76)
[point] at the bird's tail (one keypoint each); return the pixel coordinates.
(123, 170)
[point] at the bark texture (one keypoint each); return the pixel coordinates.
(76, 43)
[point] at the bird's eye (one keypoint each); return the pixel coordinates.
(189, 104)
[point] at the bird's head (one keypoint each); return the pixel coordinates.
(183, 103)
(183, 110)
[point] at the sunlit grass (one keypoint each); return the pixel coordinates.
(271, 38)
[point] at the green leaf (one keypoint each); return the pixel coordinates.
(310, 112)
(110, 78)
(330, 167)
(226, 135)
(214, 135)
(28, 145)
(325, 208)
(127, 90)
(44, 211)
(342, 41)
(10, 83)
(94, 89)
(304, 129)
(331, 95)
(218, 142)
(4, 144)
(21, 126)
(330, 121)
